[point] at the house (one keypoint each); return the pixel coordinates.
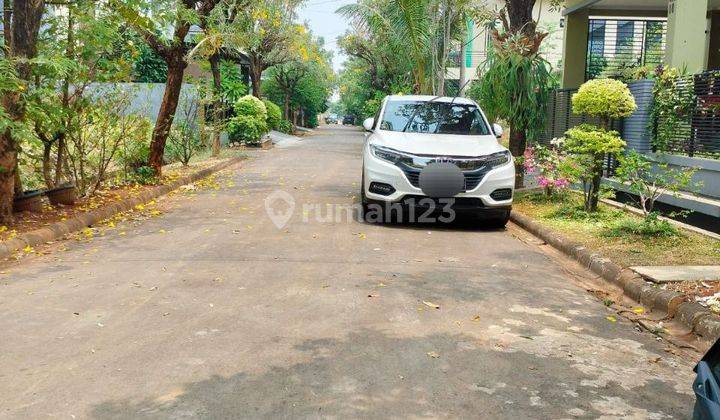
(606, 36)
(478, 41)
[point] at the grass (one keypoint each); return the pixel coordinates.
(624, 238)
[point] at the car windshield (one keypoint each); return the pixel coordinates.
(433, 117)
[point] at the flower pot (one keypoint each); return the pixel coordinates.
(65, 194)
(29, 201)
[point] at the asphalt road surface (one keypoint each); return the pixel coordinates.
(211, 311)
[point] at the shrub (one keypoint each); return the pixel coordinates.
(183, 142)
(648, 180)
(651, 226)
(251, 106)
(274, 114)
(589, 145)
(550, 165)
(246, 129)
(250, 121)
(286, 127)
(144, 175)
(604, 98)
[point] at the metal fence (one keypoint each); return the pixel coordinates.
(616, 47)
(560, 117)
(691, 125)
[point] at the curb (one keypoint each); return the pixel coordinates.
(57, 230)
(698, 318)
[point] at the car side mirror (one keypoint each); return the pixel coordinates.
(368, 124)
(498, 130)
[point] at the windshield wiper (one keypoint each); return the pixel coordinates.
(417, 109)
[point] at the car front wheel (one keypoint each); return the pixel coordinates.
(498, 222)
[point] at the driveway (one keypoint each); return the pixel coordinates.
(212, 311)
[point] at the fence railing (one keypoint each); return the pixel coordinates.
(690, 121)
(560, 117)
(618, 46)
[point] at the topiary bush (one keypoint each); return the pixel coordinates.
(250, 121)
(589, 145)
(274, 114)
(606, 99)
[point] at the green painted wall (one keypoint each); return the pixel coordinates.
(686, 39)
(469, 48)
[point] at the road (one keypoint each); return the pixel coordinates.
(212, 311)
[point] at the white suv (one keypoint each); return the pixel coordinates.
(436, 154)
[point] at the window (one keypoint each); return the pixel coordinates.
(433, 117)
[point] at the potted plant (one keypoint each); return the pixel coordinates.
(29, 201)
(65, 194)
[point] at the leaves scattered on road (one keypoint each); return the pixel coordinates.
(430, 304)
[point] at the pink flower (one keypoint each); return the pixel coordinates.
(543, 182)
(562, 183)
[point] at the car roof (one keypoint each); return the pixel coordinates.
(424, 98)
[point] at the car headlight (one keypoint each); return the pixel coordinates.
(389, 155)
(498, 159)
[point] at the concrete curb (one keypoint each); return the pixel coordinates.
(698, 318)
(59, 229)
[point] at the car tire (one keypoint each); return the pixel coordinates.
(499, 222)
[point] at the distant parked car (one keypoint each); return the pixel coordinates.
(349, 120)
(331, 119)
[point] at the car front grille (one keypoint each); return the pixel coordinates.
(472, 178)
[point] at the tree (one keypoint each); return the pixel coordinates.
(22, 25)
(304, 84)
(173, 50)
(266, 32)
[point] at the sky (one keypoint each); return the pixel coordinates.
(322, 20)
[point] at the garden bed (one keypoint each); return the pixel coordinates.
(622, 238)
(109, 194)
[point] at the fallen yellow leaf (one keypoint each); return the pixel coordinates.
(432, 305)
(611, 318)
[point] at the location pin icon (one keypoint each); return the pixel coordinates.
(279, 217)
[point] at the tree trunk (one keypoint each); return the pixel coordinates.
(173, 86)
(46, 170)
(518, 141)
(60, 158)
(256, 70)
(286, 110)
(217, 103)
(26, 17)
(520, 16)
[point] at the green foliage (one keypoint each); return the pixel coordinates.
(586, 139)
(285, 127)
(148, 66)
(250, 106)
(184, 139)
(183, 142)
(515, 87)
(246, 129)
(673, 103)
(604, 98)
(589, 145)
(648, 179)
(650, 226)
(250, 121)
(274, 115)
(144, 175)
(232, 82)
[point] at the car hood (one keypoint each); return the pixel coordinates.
(437, 144)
